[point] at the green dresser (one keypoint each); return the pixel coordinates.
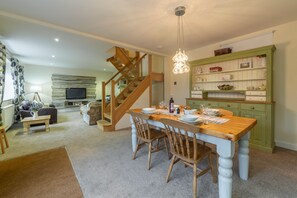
(248, 78)
(262, 135)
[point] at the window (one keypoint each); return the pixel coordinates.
(8, 86)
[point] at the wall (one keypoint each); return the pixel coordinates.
(285, 70)
(40, 75)
(157, 87)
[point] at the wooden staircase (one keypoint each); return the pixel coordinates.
(129, 71)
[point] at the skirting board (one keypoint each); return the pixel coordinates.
(286, 145)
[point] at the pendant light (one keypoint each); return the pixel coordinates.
(180, 58)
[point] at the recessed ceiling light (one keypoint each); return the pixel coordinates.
(53, 56)
(104, 69)
(57, 40)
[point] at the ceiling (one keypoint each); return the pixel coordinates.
(88, 29)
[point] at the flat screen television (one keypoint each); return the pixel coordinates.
(75, 93)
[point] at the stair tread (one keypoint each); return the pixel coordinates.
(103, 123)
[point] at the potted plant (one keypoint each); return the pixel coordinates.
(35, 106)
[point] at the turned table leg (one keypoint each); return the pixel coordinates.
(226, 151)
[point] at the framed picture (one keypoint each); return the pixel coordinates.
(246, 64)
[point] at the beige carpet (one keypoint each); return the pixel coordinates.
(104, 167)
(43, 174)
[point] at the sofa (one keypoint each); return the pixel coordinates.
(25, 111)
(91, 112)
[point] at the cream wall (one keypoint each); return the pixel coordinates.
(40, 75)
(285, 70)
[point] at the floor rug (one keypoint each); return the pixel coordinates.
(43, 174)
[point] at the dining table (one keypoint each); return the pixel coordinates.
(224, 132)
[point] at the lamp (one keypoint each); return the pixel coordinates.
(35, 89)
(180, 59)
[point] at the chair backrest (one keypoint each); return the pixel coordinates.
(182, 138)
(141, 124)
(225, 112)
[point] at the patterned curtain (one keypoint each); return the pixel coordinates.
(17, 72)
(2, 76)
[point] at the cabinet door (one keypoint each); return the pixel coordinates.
(258, 132)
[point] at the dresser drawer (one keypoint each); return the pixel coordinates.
(255, 93)
(255, 107)
(228, 105)
(210, 104)
(193, 102)
(197, 103)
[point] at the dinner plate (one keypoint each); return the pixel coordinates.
(197, 121)
(189, 117)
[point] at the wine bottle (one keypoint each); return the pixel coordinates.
(171, 105)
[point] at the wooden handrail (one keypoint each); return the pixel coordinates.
(126, 72)
(127, 66)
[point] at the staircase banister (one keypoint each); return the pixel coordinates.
(126, 72)
(103, 99)
(120, 71)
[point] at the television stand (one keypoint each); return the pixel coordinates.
(77, 102)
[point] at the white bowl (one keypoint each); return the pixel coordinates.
(148, 110)
(189, 117)
(189, 112)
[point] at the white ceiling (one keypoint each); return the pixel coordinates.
(87, 29)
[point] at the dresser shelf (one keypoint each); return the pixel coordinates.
(244, 103)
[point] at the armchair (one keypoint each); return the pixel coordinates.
(91, 112)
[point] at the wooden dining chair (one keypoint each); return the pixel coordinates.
(225, 112)
(147, 135)
(185, 148)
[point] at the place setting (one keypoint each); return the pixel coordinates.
(190, 118)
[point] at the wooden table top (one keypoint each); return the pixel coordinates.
(232, 130)
(45, 117)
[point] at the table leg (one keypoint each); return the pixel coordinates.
(47, 125)
(226, 151)
(134, 136)
(2, 144)
(243, 156)
(26, 127)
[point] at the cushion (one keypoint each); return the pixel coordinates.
(26, 104)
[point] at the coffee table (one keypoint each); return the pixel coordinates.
(38, 120)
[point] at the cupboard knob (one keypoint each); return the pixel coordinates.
(228, 105)
(252, 107)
